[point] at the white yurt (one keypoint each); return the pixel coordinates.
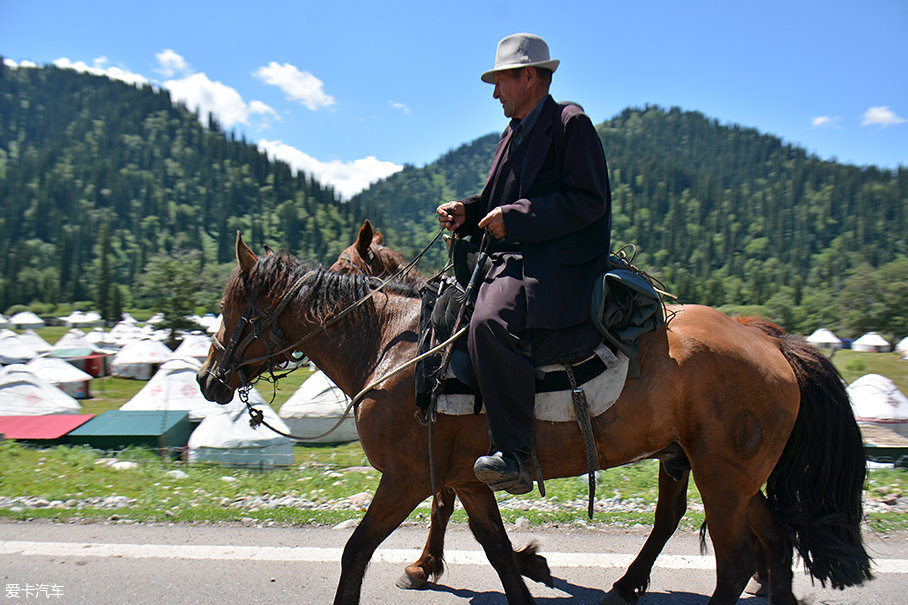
(140, 359)
(15, 350)
(78, 319)
(877, 400)
(227, 438)
(871, 342)
(32, 339)
(124, 333)
(100, 339)
(824, 339)
(24, 393)
(902, 347)
(26, 320)
(4, 322)
(194, 345)
(72, 344)
(174, 387)
(316, 406)
(62, 374)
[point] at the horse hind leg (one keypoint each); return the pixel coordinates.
(670, 508)
(774, 552)
(431, 562)
(726, 503)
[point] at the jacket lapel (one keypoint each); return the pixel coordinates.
(539, 142)
(496, 162)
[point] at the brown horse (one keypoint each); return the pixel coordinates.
(748, 404)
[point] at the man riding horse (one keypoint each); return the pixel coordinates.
(546, 206)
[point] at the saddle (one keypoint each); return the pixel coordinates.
(624, 306)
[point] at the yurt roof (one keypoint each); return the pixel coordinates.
(174, 387)
(872, 339)
(143, 351)
(24, 393)
(35, 341)
(26, 318)
(56, 370)
(15, 350)
(823, 336)
(876, 397)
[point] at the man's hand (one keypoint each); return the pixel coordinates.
(493, 222)
(451, 215)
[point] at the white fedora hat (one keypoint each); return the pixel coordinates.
(520, 50)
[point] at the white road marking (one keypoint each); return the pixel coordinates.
(333, 555)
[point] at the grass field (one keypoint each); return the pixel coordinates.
(328, 484)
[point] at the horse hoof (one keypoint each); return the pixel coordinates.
(756, 588)
(613, 597)
(414, 578)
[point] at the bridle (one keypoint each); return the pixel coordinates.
(231, 360)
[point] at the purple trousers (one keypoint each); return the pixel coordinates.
(504, 374)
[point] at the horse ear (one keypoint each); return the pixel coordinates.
(268, 250)
(377, 239)
(364, 240)
(244, 256)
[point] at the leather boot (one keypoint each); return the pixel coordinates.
(508, 471)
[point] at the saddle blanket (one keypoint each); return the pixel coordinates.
(558, 406)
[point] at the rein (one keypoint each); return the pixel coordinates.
(236, 346)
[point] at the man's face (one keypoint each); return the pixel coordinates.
(513, 90)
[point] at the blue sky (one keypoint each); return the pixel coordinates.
(350, 91)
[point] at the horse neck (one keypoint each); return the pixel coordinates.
(351, 351)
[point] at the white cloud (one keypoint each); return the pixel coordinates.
(881, 115)
(300, 86)
(820, 121)
(347, 178)
(401, 106)
(13, 65)
(197, 91)
(170, 63)
(99, 68)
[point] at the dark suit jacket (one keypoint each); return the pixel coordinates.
(561, 221)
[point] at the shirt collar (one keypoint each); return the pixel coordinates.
(522, 128)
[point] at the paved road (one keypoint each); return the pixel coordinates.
(178, 564)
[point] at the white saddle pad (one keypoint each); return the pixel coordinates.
(601, 392)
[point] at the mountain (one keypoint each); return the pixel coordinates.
(98, 178)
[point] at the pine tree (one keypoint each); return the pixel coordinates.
(102, 279)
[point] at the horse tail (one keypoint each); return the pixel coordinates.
(815, 489)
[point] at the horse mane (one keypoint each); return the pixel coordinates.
(325, 293)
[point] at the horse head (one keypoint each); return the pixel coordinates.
(367, 255)
(250, 340)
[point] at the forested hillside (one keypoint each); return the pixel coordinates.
(101, 183)
(83, 157)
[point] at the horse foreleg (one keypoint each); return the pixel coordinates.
(774, 552)
(393, 501)
(431, 561)
(487, 528)
(670, 507)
